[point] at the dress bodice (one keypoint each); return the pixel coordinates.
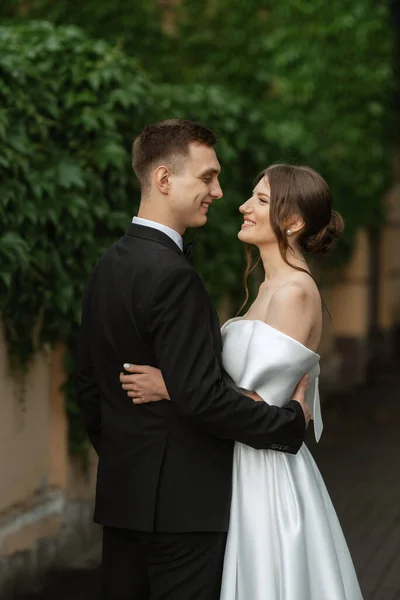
(260, 358)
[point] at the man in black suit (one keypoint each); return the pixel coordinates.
(164, 475)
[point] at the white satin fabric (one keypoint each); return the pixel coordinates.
(285, 541)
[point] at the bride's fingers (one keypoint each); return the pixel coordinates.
(127, 386)
(127, 378)
(302, 385)
(304, 381)
(137, 399)
(123, 377)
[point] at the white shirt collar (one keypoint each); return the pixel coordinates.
(174, 235)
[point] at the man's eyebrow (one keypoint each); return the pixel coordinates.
(210, 171)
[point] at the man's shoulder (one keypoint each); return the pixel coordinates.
(165, 263)
(145, 263)
(176, 271)
(141, 251)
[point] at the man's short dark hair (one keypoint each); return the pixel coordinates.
(166, 142)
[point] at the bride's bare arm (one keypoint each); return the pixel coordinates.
(146, 384)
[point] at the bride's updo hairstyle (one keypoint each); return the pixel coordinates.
(299, 191)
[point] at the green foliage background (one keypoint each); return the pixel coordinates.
(305, 82)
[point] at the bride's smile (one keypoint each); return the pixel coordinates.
(256, 228)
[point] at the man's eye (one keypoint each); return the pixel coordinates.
(207, 179)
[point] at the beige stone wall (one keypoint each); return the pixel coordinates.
(42, 490)
(349, 295)
(345, 341)
(349, 299)
(390, 312)
(24, 432)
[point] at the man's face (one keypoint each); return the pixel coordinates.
(194, 187)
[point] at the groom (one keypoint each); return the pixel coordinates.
(164, 475)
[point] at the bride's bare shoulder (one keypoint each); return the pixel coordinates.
(297, 290)
(297, 296)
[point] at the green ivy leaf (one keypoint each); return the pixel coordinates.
(70, 174)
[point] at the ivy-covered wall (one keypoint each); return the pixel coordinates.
(70, 107)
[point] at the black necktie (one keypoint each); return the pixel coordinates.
(188, 249)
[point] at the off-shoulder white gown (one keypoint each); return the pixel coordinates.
(285, 541)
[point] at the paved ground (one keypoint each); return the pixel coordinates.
(360, 461)
(359, 457)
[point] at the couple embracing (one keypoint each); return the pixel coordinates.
(205, 489)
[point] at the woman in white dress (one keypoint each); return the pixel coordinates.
(284, 540)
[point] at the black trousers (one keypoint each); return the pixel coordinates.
(161, 566)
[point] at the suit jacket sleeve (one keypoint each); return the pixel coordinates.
(180, 328)
(87, 390)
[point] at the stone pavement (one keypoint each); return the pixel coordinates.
(359, 457)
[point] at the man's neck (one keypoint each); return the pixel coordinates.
(149, 213)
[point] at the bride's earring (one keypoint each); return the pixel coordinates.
(289, 232)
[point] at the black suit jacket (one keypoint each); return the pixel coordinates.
(164, 466)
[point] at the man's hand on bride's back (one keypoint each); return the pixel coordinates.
(299, 394)
(143, 384)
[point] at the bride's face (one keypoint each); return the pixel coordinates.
(256, 228)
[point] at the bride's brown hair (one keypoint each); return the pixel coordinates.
(298, 191)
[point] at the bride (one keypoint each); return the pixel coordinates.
(284, 541)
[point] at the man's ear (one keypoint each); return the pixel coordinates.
(162, 179)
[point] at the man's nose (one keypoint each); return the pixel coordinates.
(217, 192)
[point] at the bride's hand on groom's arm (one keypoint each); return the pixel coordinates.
(143, 384)
(299, 394)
